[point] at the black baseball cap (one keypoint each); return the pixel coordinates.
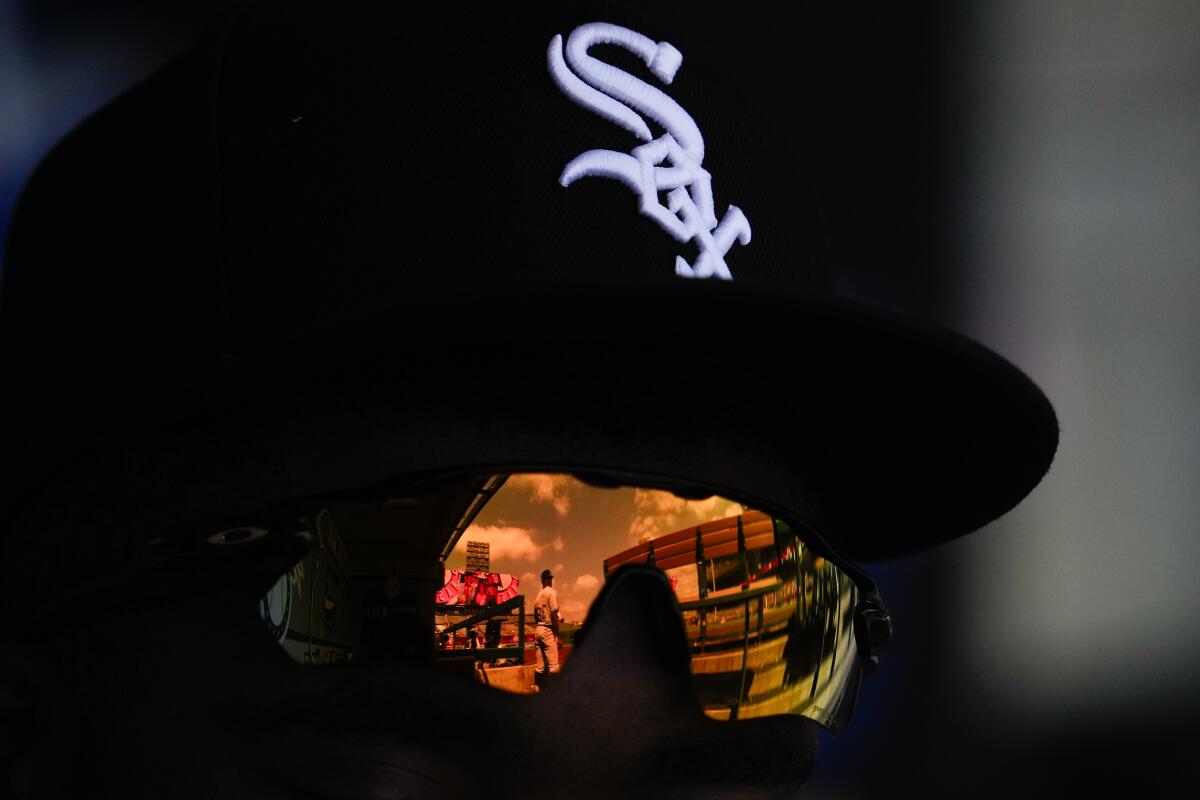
(547, 575)
(321, 250)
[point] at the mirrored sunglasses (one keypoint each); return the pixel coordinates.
(494, 577)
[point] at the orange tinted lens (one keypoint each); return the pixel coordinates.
(769, 623)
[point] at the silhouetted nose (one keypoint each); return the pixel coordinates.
(625, 706)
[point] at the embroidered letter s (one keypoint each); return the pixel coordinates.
(670, 163)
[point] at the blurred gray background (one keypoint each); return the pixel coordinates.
(1028, 173)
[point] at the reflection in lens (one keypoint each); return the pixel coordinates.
(456, 577)
(767, 620)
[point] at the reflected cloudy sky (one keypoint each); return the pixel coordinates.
(556, 522)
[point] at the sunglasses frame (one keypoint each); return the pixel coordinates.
(872, 620)
(250, 554)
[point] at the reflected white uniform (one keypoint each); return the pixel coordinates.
(545, 610)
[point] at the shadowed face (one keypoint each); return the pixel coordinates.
(197, 700)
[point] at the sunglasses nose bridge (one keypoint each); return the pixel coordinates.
(627, 683)
(632, 652)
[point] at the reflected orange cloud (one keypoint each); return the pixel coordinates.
(661, 512)
(552, 489)
(506, 542)
(587, 583)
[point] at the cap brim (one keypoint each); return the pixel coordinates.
(887, 436)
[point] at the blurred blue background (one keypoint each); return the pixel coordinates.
(1028, 173)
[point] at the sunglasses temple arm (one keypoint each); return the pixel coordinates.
(872, 620)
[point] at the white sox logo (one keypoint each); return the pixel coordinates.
(670, 163)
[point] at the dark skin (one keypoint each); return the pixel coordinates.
(554, 615)
(199, 702)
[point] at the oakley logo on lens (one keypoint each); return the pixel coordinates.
(672, 163)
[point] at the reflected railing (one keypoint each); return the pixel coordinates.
(491, 633)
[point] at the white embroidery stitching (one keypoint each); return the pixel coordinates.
(616, 96)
